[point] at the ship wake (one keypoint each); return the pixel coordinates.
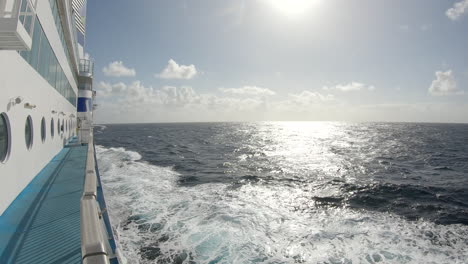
(158, 220)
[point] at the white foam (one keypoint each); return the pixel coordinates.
(258, 223)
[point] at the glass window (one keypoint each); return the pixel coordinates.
(28, 132)
(42, 58)
(52, 128)
(4, 137)
(43, 129)
(36, 42)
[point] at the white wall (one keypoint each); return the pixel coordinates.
(18, 78)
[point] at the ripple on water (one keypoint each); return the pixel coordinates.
(160, 221)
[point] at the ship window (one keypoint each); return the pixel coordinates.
(52, 128)
(43, 129)
(43, 59)
(28, 132)
(4, 137)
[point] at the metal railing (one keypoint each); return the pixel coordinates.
(95, 247)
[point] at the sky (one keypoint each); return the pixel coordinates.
(279, 60)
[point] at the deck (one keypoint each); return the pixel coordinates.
(43, 224)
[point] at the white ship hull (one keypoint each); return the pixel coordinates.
(19, 81)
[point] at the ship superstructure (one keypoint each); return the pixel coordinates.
(46, 144)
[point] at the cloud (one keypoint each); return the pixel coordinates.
(351, 87)
(135, 102)
(457, 10)
(136, 94)
(404, 28)
(105, 89)
(444, 84)
(176, 71)
(117, 69)
(309, 102)
(248, 90)
(308, 97)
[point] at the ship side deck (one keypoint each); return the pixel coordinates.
(42, 225)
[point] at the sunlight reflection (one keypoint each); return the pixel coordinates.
(293, 7)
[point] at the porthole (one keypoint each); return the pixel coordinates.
(5, 140)
(52, 131)
(29, 132)
(43, 129)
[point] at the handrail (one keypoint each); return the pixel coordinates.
(94, 243)
(90, 185)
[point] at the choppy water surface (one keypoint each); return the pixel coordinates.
(287, 192)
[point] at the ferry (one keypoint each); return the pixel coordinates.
(52, 206)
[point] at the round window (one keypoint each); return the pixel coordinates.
(4, 137)
(28, 132)
(43, 129)
(52, 128)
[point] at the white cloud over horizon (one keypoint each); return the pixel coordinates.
(308, 97)
(118, 69)
(134, 102)
(248, 90)
(350, 87)
(176, 71)
(444, 84)
(457, 10)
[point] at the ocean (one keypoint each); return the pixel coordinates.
(287, 192)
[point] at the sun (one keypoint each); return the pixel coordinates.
(293, 7)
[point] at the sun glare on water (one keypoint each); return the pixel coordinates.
(293, 8)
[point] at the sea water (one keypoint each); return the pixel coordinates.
(287, 192)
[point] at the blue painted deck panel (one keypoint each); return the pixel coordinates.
(43, 224)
